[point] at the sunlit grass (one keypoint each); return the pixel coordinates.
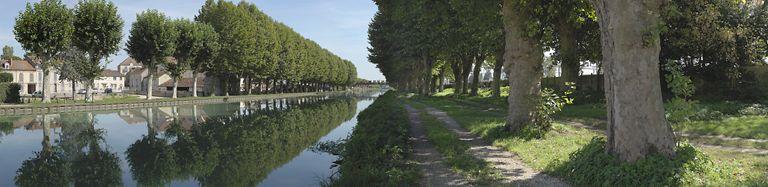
(755, 127)
(557, 145)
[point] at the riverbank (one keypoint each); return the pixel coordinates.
(7, 110)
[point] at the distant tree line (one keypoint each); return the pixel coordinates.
(228, 41)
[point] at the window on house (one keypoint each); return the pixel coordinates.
(21, 77)
(31, 77)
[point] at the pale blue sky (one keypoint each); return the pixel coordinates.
(338, 25)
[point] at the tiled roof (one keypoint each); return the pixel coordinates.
(20, 65)
(111, 73)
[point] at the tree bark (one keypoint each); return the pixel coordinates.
(46, 95)
(631, 46)
(523, 60)
(73, 90)
(175, 87)
(441, 79)
(476, 74)
(467, 67)
(457, 80)
(150, 79)
(569, 60)
(497, 72)
(194, 84)
(88, 97)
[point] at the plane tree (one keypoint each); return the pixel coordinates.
(152, 40)
(44, 29)
(98, 31)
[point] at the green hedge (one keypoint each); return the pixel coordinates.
(5, 77)
(9, 92)
(376, 154)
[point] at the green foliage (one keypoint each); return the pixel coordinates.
(153, 38)
(714, 41)
(10, 92)
(681, 85)
(47, 168)
(679, 108)
(548, 103)
(44, 28)
(592, 166)
(8, 54)
(98, 32)
(5, 77)
(377, 151)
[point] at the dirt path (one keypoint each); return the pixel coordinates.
(512, 170)
(431, 163)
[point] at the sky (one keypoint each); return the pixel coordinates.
(340, 26)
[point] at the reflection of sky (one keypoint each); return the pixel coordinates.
(119, 135)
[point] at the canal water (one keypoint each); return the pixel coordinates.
(255, 143)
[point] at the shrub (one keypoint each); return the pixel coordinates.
(679, 108)
(592, 166)
(5, 77)
(754, 109)
(9, 92)
(548, 103)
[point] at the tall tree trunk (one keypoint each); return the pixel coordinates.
(569, 60)
(430, 62)
(466, 69)
(46, 95)
(497, 72)
(630, 42)
(194, 83)
(175, 87)
(226, 83)
(479, 59)
(73, 90)
(441, 79)
(523, 62)
(150, 79)
(457, 80)
(88, 97)
(248, 85)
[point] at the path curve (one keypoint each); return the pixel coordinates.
(431, 163)
(512, 170)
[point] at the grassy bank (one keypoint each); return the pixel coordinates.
(376, 154)
(566, 149)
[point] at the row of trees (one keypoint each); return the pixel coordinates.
(236, 42)
(415, 44)
(228, 41)
(92, 29)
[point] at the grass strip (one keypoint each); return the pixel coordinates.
(456, 152)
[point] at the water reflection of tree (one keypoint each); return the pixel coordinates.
(96, 166)
(239, 149)
(77, 157)
(47, 168)
(151, 158)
